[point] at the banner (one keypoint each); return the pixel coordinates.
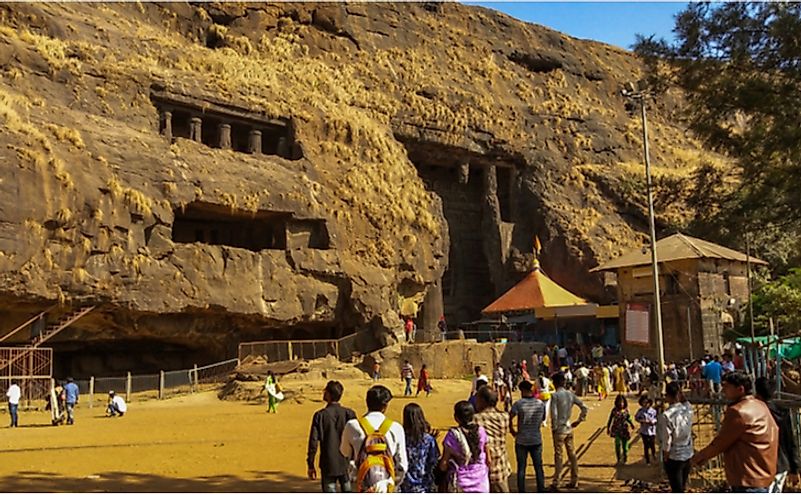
(638, 324)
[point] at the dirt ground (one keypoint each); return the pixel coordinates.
(199, 443)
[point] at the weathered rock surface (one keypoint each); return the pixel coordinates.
(91, 195)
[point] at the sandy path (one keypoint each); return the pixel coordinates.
(198, 443)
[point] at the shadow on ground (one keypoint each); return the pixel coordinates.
(261, 481)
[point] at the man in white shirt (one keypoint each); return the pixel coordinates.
(116, 405)
(562, 402)
(582, 380)
(477, 376)
(353, 436)
(597, 353)
(498, 375)
(674, 430)
(14, 394)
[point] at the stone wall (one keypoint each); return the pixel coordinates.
(452, 358)
(702, 287)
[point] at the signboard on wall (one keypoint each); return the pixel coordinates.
(638, 324)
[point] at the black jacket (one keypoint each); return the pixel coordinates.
(326, 429)
(788, 449)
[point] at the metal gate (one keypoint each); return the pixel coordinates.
(30, 367)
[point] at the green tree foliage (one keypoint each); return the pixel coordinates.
(780, 300)
(739, 65)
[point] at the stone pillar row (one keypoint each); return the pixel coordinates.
(223, 132)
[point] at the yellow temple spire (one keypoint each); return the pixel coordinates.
(537, 248)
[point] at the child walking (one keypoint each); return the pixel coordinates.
(619, 426)
(646, 416)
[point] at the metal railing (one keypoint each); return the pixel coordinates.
(486, 335)
(272, 351)
(156, 385)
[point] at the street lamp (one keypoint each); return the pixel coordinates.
(632, 92)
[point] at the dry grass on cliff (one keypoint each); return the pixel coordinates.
(344, 105)
(377, 179)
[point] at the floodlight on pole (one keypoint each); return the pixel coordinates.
(631, 91)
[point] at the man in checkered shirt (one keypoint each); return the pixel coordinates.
(496, 424)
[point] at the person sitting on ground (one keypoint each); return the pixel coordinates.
(367, 438)
(116, 405)
(787, 468)
(464, 452)
(496, 424)
(421, 450)
(326, 430)
(748, 438)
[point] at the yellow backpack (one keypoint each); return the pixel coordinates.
(374, 460)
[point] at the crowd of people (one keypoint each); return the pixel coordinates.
(374, 453)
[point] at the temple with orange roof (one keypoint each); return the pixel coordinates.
(551, 313)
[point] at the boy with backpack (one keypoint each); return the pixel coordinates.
(375, 446)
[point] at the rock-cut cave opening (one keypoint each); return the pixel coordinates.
(219, 225)
(476, 230)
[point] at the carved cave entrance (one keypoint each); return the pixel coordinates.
(219, 225)
(223, 126)
(477, 199)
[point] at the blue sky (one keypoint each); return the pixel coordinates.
(615, 23)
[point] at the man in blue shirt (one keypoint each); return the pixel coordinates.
(71, 392)
(713, 372)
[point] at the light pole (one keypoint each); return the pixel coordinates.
(632, 92)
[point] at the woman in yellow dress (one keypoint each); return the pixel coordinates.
(620, 379)
(602, 377)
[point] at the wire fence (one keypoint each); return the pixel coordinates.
(272, 351)
(160, 385)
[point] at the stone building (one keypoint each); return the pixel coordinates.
(703, 287)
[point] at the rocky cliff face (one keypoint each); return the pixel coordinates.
(215, 173)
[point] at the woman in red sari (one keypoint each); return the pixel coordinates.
(423, 382)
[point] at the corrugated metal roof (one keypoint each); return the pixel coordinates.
(677, 247)
(536, 291)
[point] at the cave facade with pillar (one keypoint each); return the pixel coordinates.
(478, 195)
